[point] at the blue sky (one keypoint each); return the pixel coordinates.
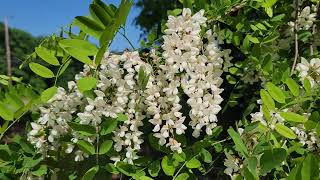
(44, 17)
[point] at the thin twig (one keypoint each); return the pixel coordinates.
(314, 26)
(312, 42)
(296, 44)
(127, 40)
(2, 134)
(8, 51)
(175, 176)
(97, 147)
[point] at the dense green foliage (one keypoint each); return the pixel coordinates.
(268, 126)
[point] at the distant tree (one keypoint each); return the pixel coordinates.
(152, 12)
(22, 44)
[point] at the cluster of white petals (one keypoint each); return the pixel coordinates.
(309, 70)
(274, 118)
(305, 19)
(306, 138)
(54, 118)
(191, 67)
(233, 166)
(117, 92)
(188, 65)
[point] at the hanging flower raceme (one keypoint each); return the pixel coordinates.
(196, 68)
(54, 118)
(127, 86)
(309, 70)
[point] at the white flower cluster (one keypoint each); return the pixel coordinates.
(306, 138)
(306, 18)
(117, 92)
(259, 117)
(310, 71)
(54, 117)
(193, 67)
(233, 164)
(190, 67)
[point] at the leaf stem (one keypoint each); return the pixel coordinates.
(124, 35)
(59, 70)
(2, 134)
(296, 43)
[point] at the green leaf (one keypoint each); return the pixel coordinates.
(278, 17)
(122, 117)
(167, 166)
(206, 156)
(275, 92)
(272, 158)
(307, 85)
(111, 168)
(310, 168)
(252, 166)
(79, 55)
(267, 65)
(84, 46)
(100, 55)
(41, 70)
(47, 56)
(270, 38)
(105, 7)
(100, 14)
(47, 94)
(187, 4)
(105, 147)
(13, 101)
(253, 39)
(285, 131)
(231, 79)
(108, 126)
(88, 26)
(145, 178)
(127, 169)
(269, 11)
(180, 157)
(86, 83)
(86, 147)
(248, 174)
(29, 162)
(5, 113)
(182, 176)
(238, 142)
(295, 173)
(143, 79)
(41, 171)
(293, 86)
(123, 11)
(64, 67)
(89, 175)
(154, 168)
(174, 12)
(269, 3)
(84, 129)
(108, 35)
(293, 117)
(267, 99)
(193, 163)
